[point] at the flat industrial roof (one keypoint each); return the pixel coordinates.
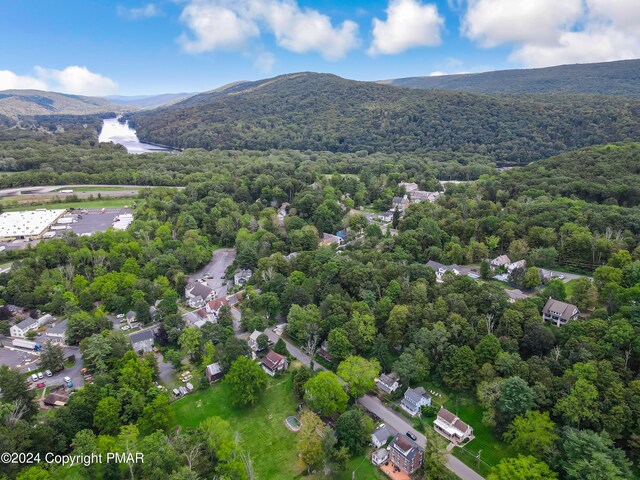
(28, 223)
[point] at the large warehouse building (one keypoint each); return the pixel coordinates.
(27, 225)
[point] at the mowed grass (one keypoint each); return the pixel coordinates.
(102, 203)
(493, 448)
(260, 427)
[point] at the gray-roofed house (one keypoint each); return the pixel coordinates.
(451, 427)
(388, 383)
(197, 294)
(515, 295)
(56, 332)
(519, 264)
(241, 277)
(253, 340)
(501, 261)
(400, 203)
(441, 269)
(20, 330)
(380, 435)
(130, 316)
(559, 313)
(405, 454)
(414, 399)
(142, 341)
(214, 372)
(380, 456)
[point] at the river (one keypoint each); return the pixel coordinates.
(121, 133)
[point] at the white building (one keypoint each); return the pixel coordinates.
(20, 330)
(27, 225)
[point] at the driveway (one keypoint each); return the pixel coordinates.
(400, 424)
(293, 350)
(221, 259)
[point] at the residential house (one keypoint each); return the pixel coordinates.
(241, 277)
(130, 316)
(400, 203)
(142, 341)
(388, 383)
(197, 294)
(214, 372)
(409, 187)
(253, 340)
(414, 399)
(58, 398)
(380, 456)
(519, 264)
(501, 261)
(56, 333)
(559, 313)
(235, 298)
(545, 275)
(381, 435)
(418, 196)
(203, 317)
(515, 295)
(273, 363)
(330, 239)
(451, 427)
(213, 307)
(20, 330)
(323, 352)
(442, 269)
(406, 454)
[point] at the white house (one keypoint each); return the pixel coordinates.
(388, 383)
(213, 307)
(381, 435)
(414, 399)
(241, 277)
(451, 427)
(20, 330)
(273, 363)
(142, 341)
(253, 340)
(519, 264)
(559, 313)
(501, 261)
(197, 294)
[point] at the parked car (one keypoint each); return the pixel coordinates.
(67, 379)
(412, 436)
(40, 375)
(41, 385)
(124, 328)
(69, 384)
(34, 377)
(48, 373)
(120, 315)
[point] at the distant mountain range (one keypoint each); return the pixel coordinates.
(148, 101)
(322, 112)
(17, 103)
(620, 78)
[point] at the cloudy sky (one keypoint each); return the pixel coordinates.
(97, 47)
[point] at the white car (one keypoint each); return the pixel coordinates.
(48, 373)
(34, 377)
(120, 315)
(67, 379)
(124, 328)
(40, 375)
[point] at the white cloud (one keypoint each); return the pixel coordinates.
(231, 25)
(438, 73)
(552, 32)
(11, 81)
(409, 24)
(147, 11)
(264, 61)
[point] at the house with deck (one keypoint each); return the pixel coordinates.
(559, 313)
(451, 427)
(197, 294)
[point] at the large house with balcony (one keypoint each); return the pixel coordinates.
(451, 427)
(559, 313)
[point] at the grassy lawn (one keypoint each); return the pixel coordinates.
(363, 467)
(261, 427)
(102, 203)
(493, 448)
(568, 287)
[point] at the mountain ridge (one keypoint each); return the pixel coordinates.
(17, 103)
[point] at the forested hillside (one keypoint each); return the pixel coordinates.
(18, 103)
(610, 78)
(603, 174)
(324, 112)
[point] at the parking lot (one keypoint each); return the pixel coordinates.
(95, 220)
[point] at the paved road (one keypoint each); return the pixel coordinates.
(293, 350)
(221, 259)
(400, 424)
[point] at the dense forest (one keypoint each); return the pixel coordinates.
(563, 400)
(322, 112)
(620, 78)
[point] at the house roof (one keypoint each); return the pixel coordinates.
(271, 359)
(501, 260)
(560, 309)
(196, 289)
(446, 415)
(405, 446)
(414, 395)
(518, 264)
(384, 432)
(131, 314)
(460, 425)
(57, 399)
(217, 303)
(243, 273)
(388, 379)
(59, 327)
(254, 336)
(141, 336)
(201, 313)
(516, 294)
(26, 323)
(435, 265)
(214, 369)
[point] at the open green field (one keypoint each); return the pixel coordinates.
(493, 448)
(261, 427)
(102, 203)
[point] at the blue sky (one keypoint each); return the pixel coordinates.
(98, 47)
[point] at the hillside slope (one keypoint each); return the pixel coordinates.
(148, 101)
(602, 174)
(620, 78)
(17, 103)
(310, 111)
